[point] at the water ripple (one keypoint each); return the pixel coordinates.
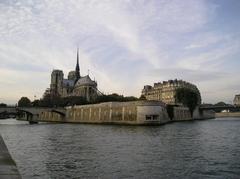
(200, 149)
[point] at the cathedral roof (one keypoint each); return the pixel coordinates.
(67, 82)
(85, 80)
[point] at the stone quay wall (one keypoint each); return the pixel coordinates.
(8, 167)
(181, 114)
(49, 116)
(205, 114)
(228, 114)
(135, 113)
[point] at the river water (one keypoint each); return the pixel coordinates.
(198, 149)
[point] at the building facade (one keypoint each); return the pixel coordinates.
(74, 85)
(166, 91)
(236, 100)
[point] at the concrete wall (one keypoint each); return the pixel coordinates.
(181, 114)
(8, 168)
(228, 114)
(203, 114)
(104, 112)
(208, 114)
(152, 114)
(137, 112)
(49, 116)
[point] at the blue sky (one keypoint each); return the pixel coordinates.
(125, 44)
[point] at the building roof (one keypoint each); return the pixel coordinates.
(67, 82)
(85, 80)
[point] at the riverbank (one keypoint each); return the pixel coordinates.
(122, 113)
(8, 168)
(227, 114)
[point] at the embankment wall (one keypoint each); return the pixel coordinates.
(228, 114)
(137, 112)
(181, 114)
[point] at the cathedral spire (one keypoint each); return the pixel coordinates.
(77, 70)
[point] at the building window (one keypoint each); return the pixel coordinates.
(148, 117)
(152, 117)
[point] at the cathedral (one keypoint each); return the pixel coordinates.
(74, 85)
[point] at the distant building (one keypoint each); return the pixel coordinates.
(166, 91)
(236, 100)
(74, 85)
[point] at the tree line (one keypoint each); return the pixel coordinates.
(56, 101)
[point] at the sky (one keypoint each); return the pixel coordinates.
(125, 44)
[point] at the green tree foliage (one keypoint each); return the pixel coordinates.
(3, 105)
(73, 100)
(24, 102)
(142, 97)
(56, 101)
(46, 101)
(188, 98)
(114, 97)
(221, 104)
(35, 103)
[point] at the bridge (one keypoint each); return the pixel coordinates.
(220, 108)
(8, 112)
(30, 114)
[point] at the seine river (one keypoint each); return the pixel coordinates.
(199, 149)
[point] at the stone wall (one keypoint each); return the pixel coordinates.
(137, 112)
(181, 114)
(228, 114)
(203, 114)
(208, 114)
(49, 116)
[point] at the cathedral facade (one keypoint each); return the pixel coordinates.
(73, 85)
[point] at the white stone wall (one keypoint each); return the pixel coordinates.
(137, 112)
(152, 114)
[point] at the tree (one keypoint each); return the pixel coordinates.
(24, 102)
(188, 98)
(3, 105)
(46, 101)
(74, 100)
(57, 101)
(221, 104)
(114, 97)
(142, 97)
(36, 103)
